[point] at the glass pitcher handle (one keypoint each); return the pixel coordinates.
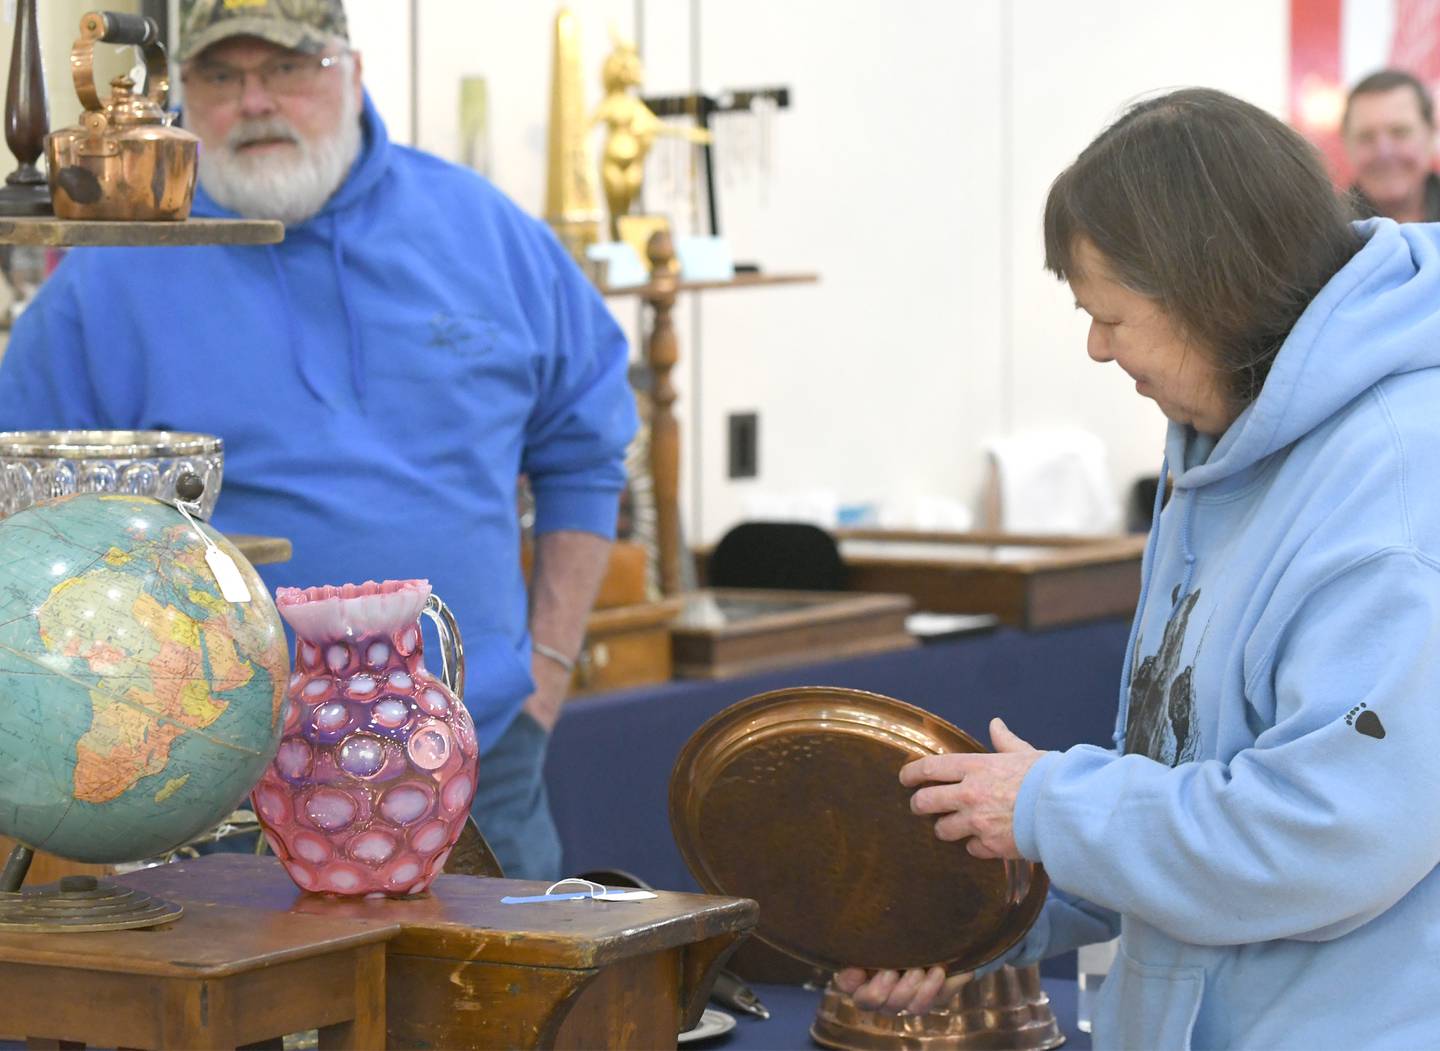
(452, 649)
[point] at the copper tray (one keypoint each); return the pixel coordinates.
(792, 798)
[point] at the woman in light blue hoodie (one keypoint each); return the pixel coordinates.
(1265, 836)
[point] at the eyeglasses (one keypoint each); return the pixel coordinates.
(216, 83)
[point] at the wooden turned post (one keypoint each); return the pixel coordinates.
(663, 352)
(27, 119)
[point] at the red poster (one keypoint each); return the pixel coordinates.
(1334, 43)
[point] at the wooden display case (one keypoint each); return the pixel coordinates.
(1027, 581)
(724, 632)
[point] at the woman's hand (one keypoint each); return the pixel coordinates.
(978, 802)
(914, 992)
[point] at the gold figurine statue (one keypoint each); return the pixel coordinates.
(572, 198)
(632, 130)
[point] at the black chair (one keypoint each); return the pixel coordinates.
(788, 556)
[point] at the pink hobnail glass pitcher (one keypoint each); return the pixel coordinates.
(376, 768)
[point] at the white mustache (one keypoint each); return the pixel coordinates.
(260, 130)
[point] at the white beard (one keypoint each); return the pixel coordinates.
(290, 187)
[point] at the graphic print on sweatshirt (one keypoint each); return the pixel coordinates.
(1161, 723)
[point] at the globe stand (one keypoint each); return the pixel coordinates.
(16, 866)
(76, 903)
(83, 903)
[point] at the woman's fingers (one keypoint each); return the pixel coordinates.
(978, 849)
(951, 766)
(904, 991)
(931, 986)
(952, 986)
(936, 799)
(954, 826)
(873, 994)
(915, 991)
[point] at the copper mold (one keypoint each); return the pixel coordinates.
(1007, 1009)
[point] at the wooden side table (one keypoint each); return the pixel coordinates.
(466, 971)
(218, 977)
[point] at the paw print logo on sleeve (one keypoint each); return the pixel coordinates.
(1366, 721)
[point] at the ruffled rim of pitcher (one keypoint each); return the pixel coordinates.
(352, 610)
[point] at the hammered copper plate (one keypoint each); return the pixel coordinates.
(793, 798)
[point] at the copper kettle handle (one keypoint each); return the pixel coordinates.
(111, 27)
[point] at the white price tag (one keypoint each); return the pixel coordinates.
(227, 575)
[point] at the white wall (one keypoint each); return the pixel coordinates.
(879, 382)
(381, 31)
(1074, 68)
(909, 172)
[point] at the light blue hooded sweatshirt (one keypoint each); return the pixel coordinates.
(1267, 842)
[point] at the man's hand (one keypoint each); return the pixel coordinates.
(552, 683)
(914, 992)
(978, 802)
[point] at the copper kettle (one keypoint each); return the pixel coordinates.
(123, 160)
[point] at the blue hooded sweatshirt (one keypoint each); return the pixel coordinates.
(1266, 841)
(380, 379)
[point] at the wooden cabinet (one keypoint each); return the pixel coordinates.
(1027, 581)
(626, 646)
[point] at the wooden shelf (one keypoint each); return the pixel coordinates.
(261, 550)
(738, 281)
(74, 233)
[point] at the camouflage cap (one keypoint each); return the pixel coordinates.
(301, 25)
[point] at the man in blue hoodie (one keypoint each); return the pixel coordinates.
(381, 378)
(1265, 835)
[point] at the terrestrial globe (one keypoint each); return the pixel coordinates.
(137, 704)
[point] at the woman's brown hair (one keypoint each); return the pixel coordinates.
(1214, 209)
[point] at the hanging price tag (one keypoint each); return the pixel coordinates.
(227, 574)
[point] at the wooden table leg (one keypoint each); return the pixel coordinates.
(366, 1031)
(702, 963)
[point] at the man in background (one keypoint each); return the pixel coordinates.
(1389, 136)
(381, 378)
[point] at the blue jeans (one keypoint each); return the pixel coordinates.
(511, 806)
